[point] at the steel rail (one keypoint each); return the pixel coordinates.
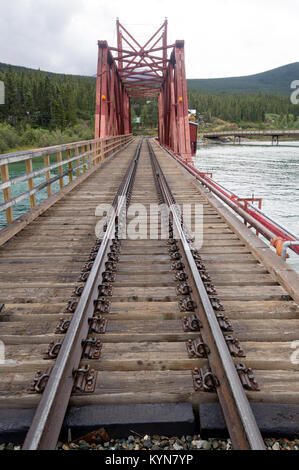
(48, 419)
(240, 421)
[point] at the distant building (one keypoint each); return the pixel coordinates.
(192, 114)
(136, 120)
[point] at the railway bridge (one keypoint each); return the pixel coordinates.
(275, 134)
(143, 329)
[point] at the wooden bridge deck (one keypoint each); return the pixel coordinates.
(144, 357)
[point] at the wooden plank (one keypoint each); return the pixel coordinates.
(151, 387)
(35, 308)
(260, 309)
(145, 293)
(251, 292)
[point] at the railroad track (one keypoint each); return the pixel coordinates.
(144, 323)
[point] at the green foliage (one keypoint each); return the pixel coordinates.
(41, 99)
(29, 137)
(243, 108)
(147, 110)
(9, 137)
(42, 108)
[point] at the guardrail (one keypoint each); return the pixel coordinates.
(274, 132)
(252, 216)
(66, 162)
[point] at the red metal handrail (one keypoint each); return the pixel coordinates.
(270, 229)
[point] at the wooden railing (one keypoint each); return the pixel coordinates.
(68, 160)
(268, 132)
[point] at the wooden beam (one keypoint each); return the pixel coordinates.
(7, 193)
(30, 182)
(48, 174)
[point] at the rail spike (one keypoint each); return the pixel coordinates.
(62, 326)
(187, 304)
(247, 378)
(40, 381)
(84, 380)
(101, 305)
(204, 380)
(197, 348)
(192, 323)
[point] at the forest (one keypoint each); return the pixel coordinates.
(43, 108)
(243, 108)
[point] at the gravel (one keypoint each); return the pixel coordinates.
(156, 442)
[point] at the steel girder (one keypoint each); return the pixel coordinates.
(137, 71)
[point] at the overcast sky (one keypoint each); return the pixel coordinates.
(222, 37)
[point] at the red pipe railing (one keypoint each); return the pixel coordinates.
(270, 229)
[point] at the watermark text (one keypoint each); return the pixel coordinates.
(152, 222)
(295, 94)
(2, 92)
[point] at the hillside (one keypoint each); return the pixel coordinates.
(19, 69)
(38, 103)
(272, 81)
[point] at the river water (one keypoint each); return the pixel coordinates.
(270, 172)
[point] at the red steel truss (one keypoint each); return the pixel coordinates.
(132, 70)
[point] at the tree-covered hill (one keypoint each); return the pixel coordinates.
(273, 81)
(45, 99)
(38, 103)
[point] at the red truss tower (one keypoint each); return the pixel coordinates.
(152, 70)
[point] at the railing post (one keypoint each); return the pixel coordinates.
(88, 156)
(69, 165)
(60, 169)
(30, 182)
(94, 153)
(77, 162)
(82, 150)
(6, 193)
(102, 150)
(48, 174)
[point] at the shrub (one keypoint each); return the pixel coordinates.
(9, 137)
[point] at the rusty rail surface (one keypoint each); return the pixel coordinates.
(222, 375)
(68, 160)
(66, 374)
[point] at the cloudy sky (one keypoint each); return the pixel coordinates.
(222, 37)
